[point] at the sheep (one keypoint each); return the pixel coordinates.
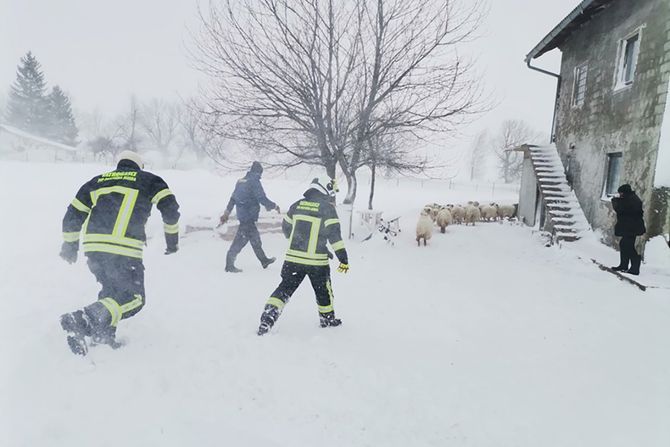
(433, 209)
(443, 219)
(472, 214)
(508, 211)
(424, 228)
(489, 212)
(458, 214)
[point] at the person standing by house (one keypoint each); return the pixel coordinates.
(248, 197)
(309, 225)
(111, 211)
(629, 225)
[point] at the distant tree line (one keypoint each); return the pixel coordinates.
(30, 107)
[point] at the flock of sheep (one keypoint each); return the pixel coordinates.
(445, 215)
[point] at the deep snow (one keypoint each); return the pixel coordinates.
(483, 338)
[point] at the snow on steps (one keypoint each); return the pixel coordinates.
(564, 211)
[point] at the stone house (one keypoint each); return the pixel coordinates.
(612, 121)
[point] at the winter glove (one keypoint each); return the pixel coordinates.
(171, 249)
(69, 251)
(224, 218)
(343, 268)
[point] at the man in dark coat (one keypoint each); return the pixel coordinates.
(629, 225)
(248, 197)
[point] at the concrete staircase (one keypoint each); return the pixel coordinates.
(565, 217)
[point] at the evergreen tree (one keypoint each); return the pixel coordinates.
(28, 106)
(62, 127)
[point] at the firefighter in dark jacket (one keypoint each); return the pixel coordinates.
(248, 197)
(109, 214)
(309, 225)
(629, 225)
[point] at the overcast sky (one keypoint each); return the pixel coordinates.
(102, 51)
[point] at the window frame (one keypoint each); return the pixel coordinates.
(608, 166)
(619, 70)
(575, 84)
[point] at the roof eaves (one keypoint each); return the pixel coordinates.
(581, 14)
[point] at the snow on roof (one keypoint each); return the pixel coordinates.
(23, 134)
(662, 175)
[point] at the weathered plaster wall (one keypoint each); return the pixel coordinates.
(626, 120)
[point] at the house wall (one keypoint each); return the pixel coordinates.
(626, 120)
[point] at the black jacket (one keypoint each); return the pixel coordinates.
(111, 210)
(247, 196)
(629, 215)
(310, 224)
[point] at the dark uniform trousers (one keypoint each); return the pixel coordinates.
(628, 253)
(293, 274)
(122, 293)
(246, 232)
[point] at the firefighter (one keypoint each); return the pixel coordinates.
(309, 225)
(248, 197)
(109, 213)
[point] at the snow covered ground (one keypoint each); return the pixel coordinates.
(483, 338)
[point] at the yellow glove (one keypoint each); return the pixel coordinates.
(343, 268)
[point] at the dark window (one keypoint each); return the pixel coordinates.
(614, 162)
(579, 89)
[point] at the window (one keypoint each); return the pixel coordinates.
(579, 87)
(614, 161)
(629, 48)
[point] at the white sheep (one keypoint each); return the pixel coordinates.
(508, 211)
(424, 228)
(489, 212)
(472, 214)
(443, 219)
(458, 214)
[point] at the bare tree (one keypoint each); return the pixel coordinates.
(160, 121)
(513, 133)
(195, 134)
(316, 81)
(127, 127)
(479, 152)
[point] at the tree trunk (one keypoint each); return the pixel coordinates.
(372, 185)
(352, 186)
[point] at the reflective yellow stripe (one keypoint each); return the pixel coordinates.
(329, 287)
(111, 239)
(288, 219)
(325, 309)
(171, 229)
(113, 308)
(134, 304)
(160, 195)
(331, 222)
(80, 206)
(304, 261)
(276, 302)
(71, 236)
(113, 249)
(339, 245)
(304, 254)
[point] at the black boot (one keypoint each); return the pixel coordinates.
(268, 319)
(328, 319)
(233, 269)
(77, 326)
(635, 265)
(267, 261)
(106, 336)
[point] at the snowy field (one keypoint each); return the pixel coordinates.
(483, 338)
